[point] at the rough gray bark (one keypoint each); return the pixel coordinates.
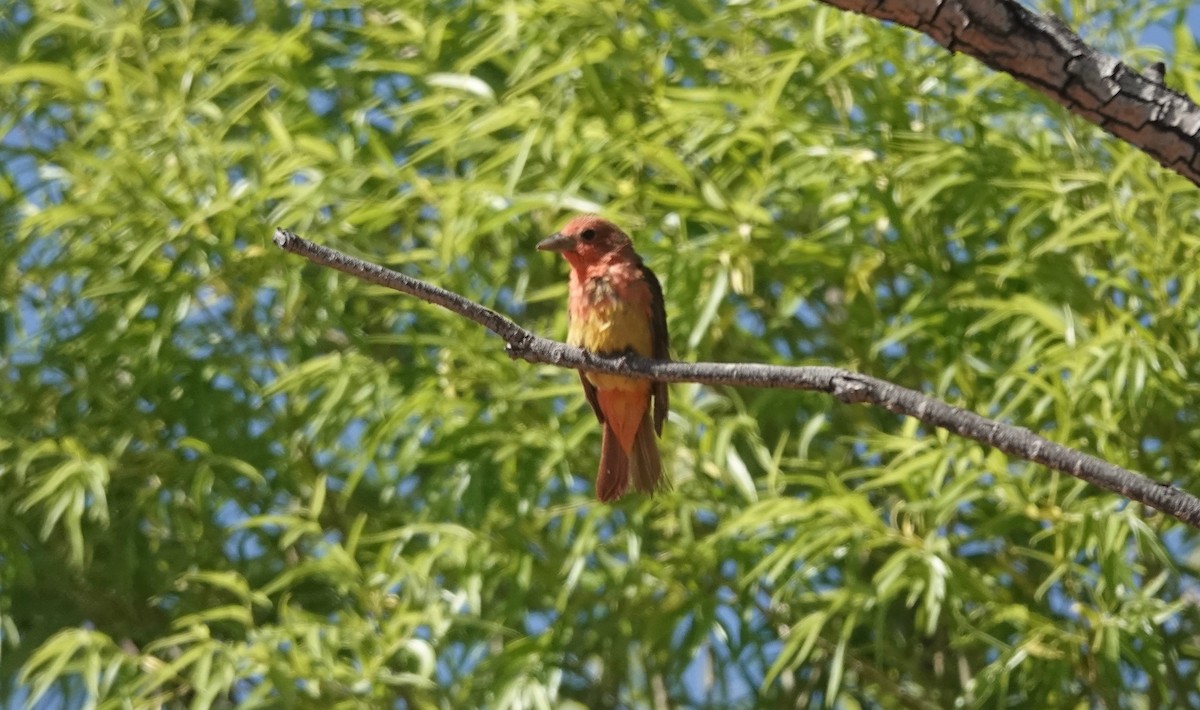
(850, 387)
(1042, 52)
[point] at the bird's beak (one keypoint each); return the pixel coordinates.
(556, 242)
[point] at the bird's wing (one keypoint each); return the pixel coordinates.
(590, 391)
(661, 342)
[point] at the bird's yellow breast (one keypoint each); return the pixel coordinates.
(610, 326)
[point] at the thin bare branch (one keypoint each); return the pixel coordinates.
(1042, 52)
(850, 387)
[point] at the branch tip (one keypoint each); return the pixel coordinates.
(283, 238)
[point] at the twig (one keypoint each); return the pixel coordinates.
(850, 387)
(1043, 53)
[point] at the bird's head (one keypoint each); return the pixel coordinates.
(586, 240)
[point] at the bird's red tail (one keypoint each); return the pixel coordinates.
(645, 465)
(642, 464)
(613, 477)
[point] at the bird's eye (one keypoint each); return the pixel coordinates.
(587, 235)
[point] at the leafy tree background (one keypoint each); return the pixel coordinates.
(229, 477)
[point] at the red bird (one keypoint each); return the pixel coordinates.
(616, 306)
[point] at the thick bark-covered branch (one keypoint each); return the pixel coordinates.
(1041, 51)
(847, 386)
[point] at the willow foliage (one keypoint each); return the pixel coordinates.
(228, 477)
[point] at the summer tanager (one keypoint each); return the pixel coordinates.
(615, 306)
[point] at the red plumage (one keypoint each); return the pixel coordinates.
(616, 306)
